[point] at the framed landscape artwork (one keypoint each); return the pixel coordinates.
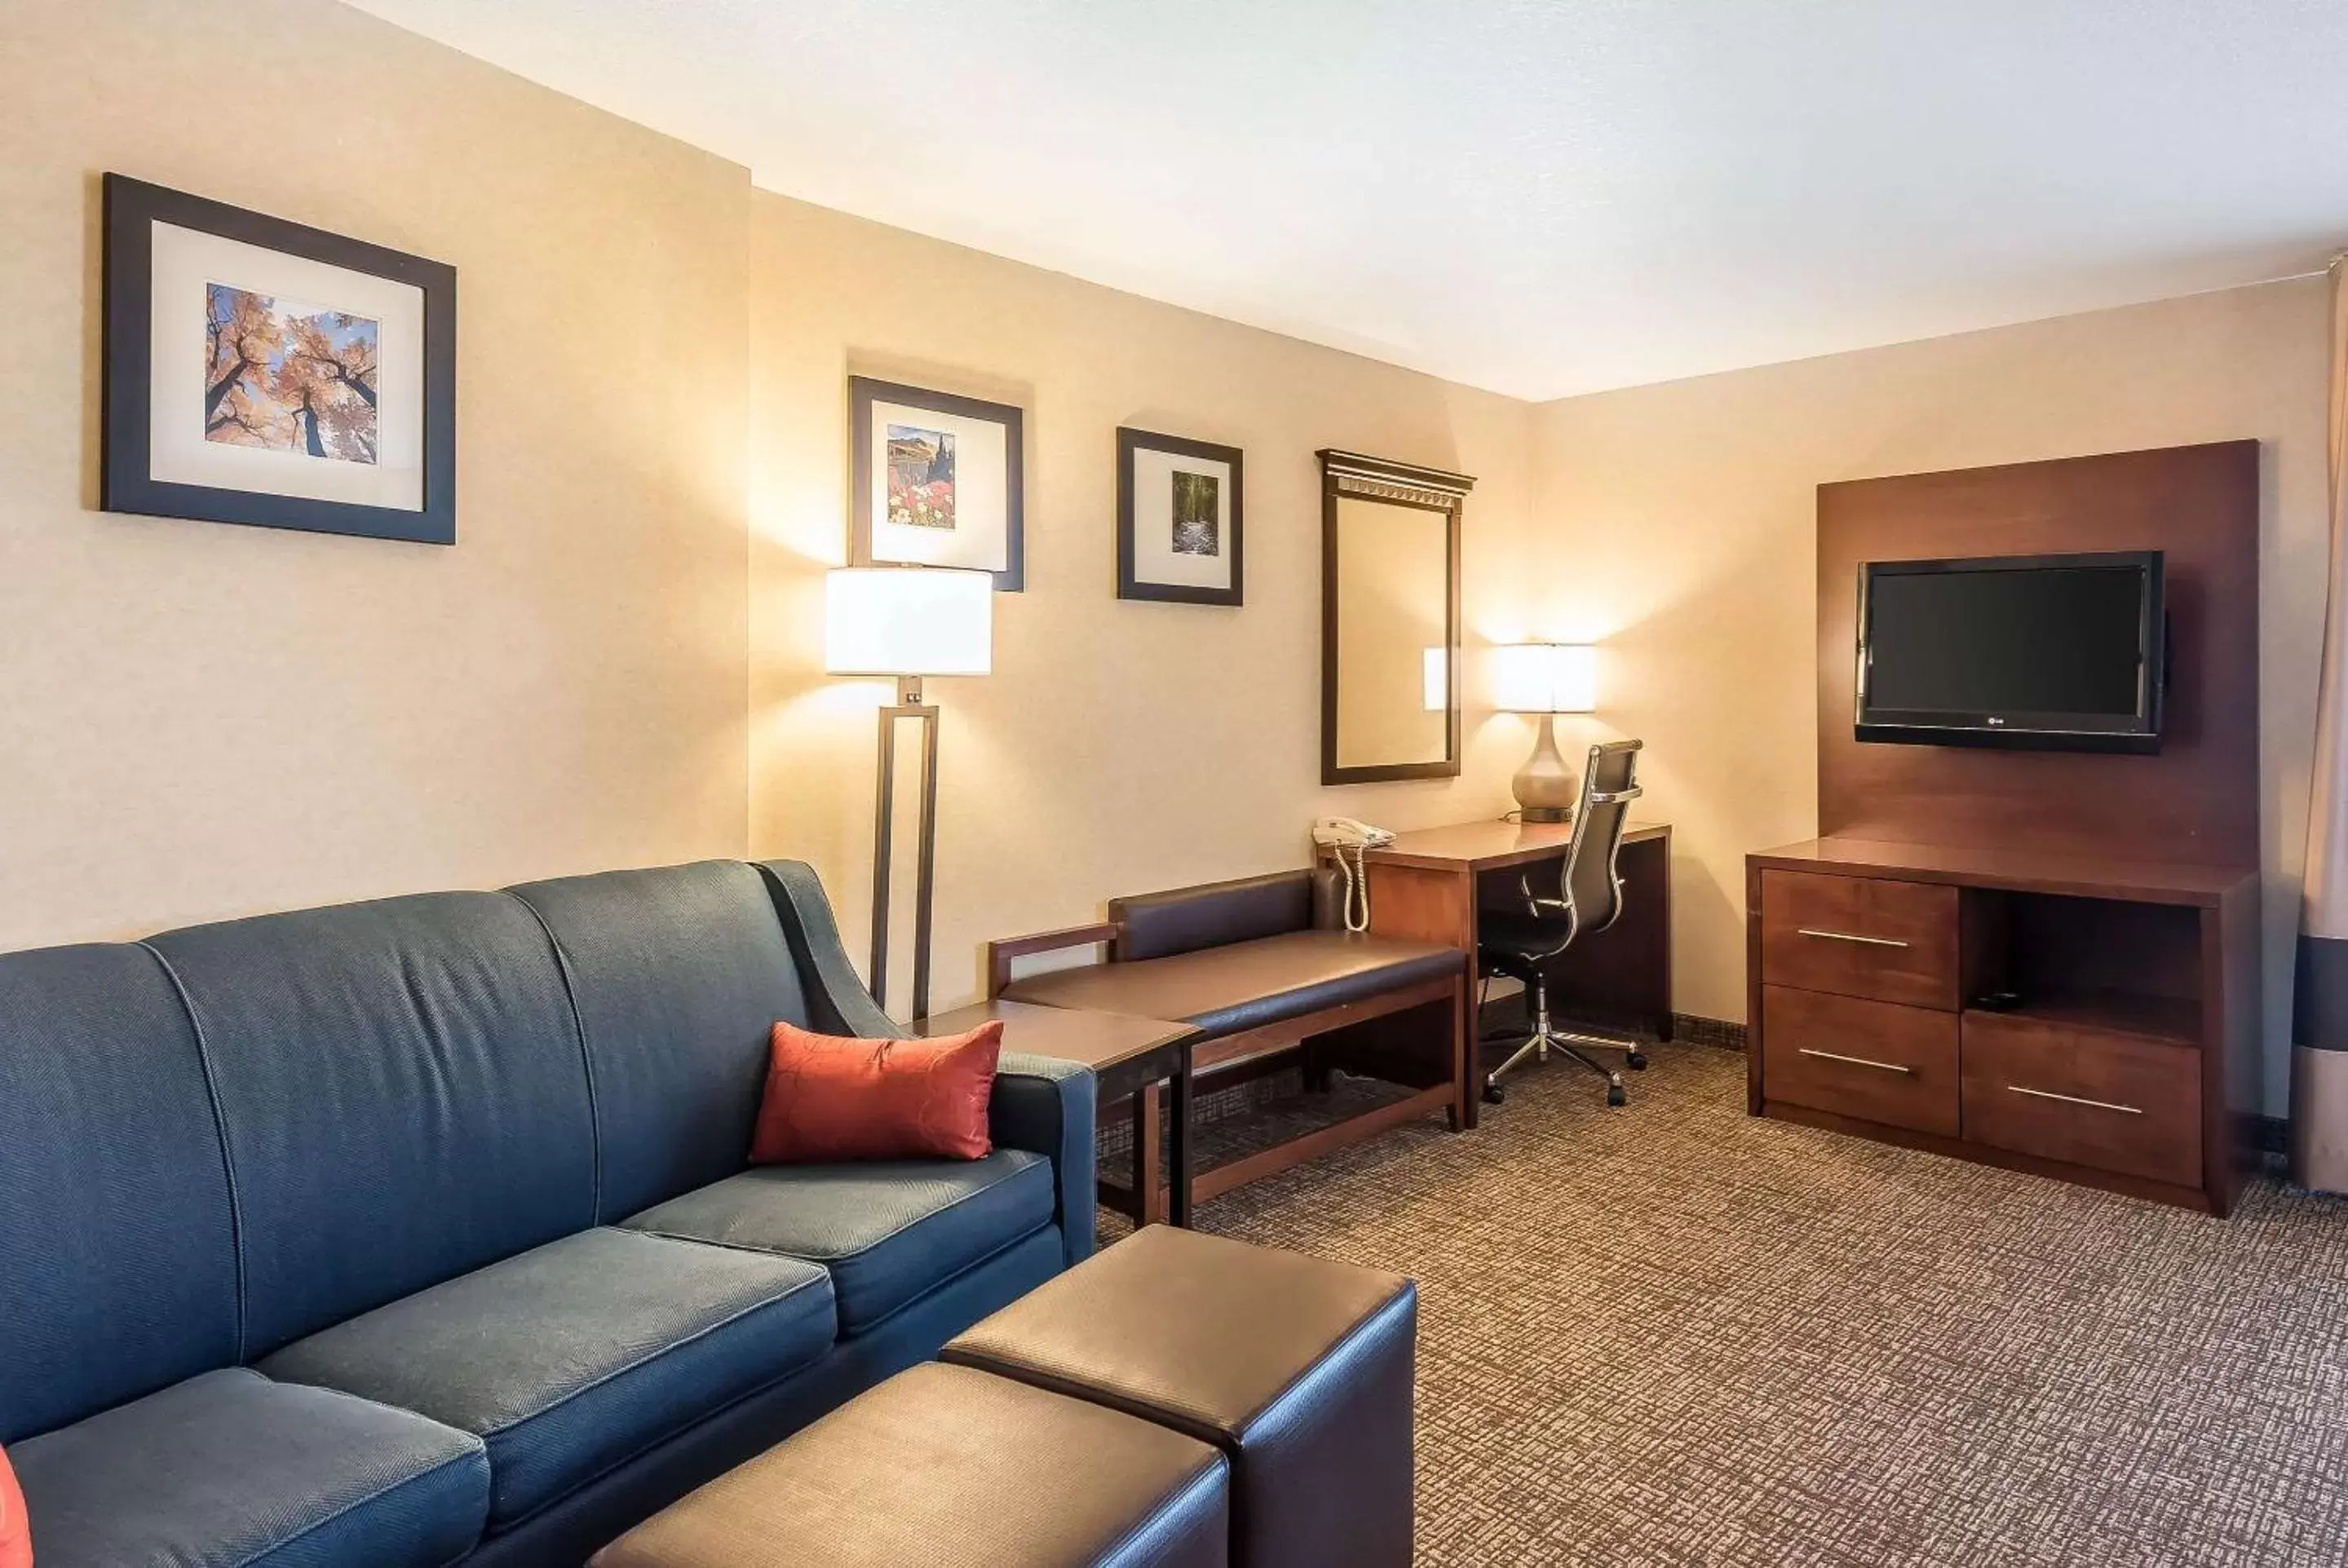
(937, 480)
(260, 371)
(1179, 519)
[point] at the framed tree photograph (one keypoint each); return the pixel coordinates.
(1180, 519)
(260, 371)
(936, 480)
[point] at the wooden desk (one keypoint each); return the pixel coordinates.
(1129, 1057)
(1430, 884)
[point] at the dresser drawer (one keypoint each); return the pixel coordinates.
(1878, 1062)
(1860, 936)
(2083, 1097)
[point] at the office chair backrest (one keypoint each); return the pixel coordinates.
(1609, 785)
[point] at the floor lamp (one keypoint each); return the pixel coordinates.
(909, 622)
(1545, 679)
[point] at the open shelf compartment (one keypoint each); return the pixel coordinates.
(2114, 966)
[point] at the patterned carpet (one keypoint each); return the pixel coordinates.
(1673, 1334)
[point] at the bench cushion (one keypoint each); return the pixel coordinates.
(888, 1231)
(1246, 985)
(230, 1470)
(941, 1464)
(580, 1354)
(1213, 915)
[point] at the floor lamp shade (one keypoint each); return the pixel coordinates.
(908, 621)
(1545, 679)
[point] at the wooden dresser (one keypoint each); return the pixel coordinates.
(2123, 1061)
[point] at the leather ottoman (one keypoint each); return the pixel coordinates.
(947, 1465)
(1298, 1369)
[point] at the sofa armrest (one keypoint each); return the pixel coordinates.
(837, 1001)
(1045, 1105)
(1040, 1104)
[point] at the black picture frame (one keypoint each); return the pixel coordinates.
(863, 391)
(1129, 584)
(126, 479)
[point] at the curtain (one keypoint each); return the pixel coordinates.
(2319, 1058)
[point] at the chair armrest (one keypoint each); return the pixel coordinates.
(1045, 1106)
(837, 1002)
(1000, 952)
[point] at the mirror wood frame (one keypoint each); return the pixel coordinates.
(1350, 476)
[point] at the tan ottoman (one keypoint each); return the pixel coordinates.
(1298, 1369)
(946, 1465)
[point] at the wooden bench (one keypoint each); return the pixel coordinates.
(1242, 962)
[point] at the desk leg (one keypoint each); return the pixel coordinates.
(1177, 1135)
(1148, 1196)
(1467, 1080)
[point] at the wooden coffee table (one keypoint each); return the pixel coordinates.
(1129, 1057)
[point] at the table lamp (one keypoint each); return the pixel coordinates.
(1545, 679)
(909, 622)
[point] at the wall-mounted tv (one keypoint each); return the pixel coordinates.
(2059, 652)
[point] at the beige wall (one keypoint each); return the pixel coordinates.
(1118, 746)
(198, 720)
(1678, 526)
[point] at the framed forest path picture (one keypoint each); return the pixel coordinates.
(1179, 519)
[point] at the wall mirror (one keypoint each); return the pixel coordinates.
(1389, 620)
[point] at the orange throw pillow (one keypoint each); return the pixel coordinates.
(15, 1530)
(829, 1097)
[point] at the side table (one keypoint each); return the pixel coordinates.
(1129, 1057)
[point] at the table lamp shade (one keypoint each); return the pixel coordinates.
(1545, 678)
(908, 621)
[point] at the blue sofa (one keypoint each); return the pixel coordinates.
(403, 1234)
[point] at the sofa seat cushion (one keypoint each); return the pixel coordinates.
(1246, 985)
(230, 1468)
(888, 1231)
(575, 1357)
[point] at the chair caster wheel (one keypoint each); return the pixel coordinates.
(1495, 1095)
(1614, 1095)
(1638, 1062)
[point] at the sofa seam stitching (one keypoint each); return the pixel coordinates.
(236, 1226)
(586, 1058)
(478, 1452)
(673, 1346)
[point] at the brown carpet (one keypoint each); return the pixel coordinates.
(1670, 1334)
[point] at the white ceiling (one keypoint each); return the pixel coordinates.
(1542, 196)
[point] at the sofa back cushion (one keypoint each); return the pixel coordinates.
(402, 1092)
(680, 975)
(118, 1256)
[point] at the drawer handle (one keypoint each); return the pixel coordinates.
(2075, 1099)
(1849, 936)
(1859, 1060)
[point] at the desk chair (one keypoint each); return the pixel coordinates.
(1589, 897)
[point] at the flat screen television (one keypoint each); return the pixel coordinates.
(2060, 652)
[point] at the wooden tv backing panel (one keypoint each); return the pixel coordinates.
(2116, 895)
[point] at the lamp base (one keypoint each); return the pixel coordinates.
(1545, 788)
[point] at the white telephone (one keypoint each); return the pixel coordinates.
(1337, 834)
